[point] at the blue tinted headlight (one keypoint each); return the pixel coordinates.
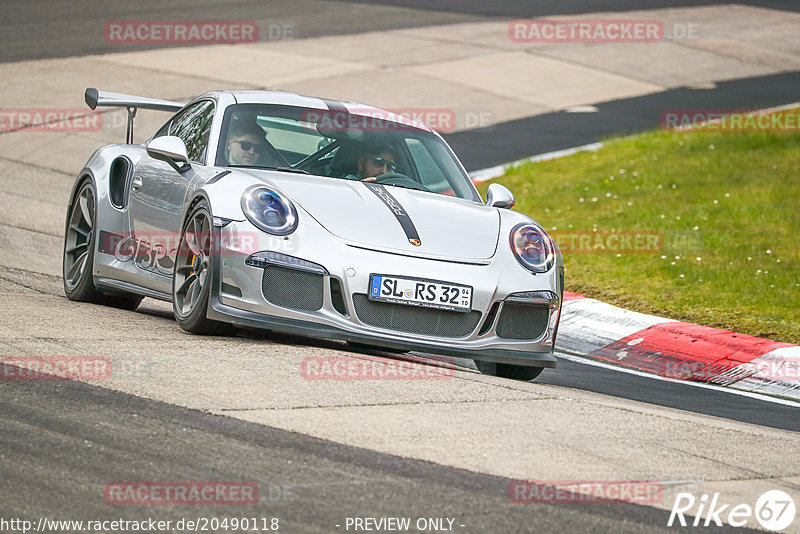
(533, 248)
(269, 210)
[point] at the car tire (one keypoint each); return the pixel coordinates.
(507, 370)
(78, 257)
(192, 276)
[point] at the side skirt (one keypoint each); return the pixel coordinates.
(105, 283)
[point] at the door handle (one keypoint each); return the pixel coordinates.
(137, 183)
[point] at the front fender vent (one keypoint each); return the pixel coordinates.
(118, 176)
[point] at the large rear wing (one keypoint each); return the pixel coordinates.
(96, 98)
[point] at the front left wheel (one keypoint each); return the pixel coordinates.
(192, 276)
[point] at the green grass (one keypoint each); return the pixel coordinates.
(727, 206)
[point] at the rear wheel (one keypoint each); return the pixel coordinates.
(192, 277)
(78, 259)
(508, 370)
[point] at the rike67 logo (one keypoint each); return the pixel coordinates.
(774, 510)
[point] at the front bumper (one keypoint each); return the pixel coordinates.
(493, 283)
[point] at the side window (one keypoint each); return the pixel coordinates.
(193, 125)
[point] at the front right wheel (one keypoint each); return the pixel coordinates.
(192, 276)
(508, 370)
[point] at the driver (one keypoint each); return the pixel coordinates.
(374, 161)
(247, 144)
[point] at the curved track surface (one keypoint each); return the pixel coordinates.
(181, 407)
(411, 447)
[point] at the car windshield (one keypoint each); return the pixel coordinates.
(339, 144)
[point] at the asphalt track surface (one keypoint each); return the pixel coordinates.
(718, 402)
(544, 8)
(61, 441)
(519, 139)
(67, 440)
(75, 27)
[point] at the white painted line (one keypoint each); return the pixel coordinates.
(775, 109)
(499, 170)
(582, 109)
(595, 363)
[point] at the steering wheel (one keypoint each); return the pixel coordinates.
(395, 178)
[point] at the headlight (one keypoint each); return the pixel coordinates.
(269, 210)
(532, 247)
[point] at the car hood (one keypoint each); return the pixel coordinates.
(391, 218)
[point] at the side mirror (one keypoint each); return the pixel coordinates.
(499, 196)
(170, 149)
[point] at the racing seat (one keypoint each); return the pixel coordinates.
(273, 158)
(345, 161)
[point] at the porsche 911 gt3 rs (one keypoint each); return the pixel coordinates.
(259, 209)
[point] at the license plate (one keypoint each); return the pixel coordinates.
(420, 292)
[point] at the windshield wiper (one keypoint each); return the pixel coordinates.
(282, 169)
(286, 169)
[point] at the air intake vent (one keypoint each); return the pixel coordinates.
(290, 288)
(522, 321)
(415, 319)
(337, 298)
(487, 324)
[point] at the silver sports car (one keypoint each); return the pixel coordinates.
(312, 217)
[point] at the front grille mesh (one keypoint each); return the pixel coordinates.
(522, 321)
(415, 319)
(290, 288)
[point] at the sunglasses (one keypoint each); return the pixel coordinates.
(247, 146)
(381, 162)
